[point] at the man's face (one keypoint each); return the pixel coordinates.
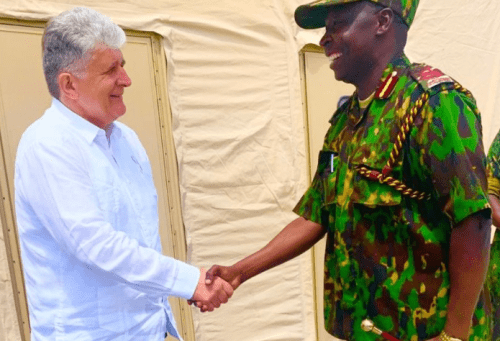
(100, 89)
(349, 40)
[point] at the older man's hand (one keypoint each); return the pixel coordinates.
(212, 295)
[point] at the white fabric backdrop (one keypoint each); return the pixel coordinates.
(234, 87)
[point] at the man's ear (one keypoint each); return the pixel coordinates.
(385, 19)
(67, 86)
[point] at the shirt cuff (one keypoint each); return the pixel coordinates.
(186, 281)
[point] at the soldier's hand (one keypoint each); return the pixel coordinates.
(218, 273)
(209, 296)
(227, 273)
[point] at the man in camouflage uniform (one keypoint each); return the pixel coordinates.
(493, 279)
(400, 189)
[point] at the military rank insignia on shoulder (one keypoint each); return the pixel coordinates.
(429, 77)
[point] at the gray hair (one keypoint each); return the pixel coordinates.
(69, 40)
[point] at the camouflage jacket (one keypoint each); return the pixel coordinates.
(387, 254)
(494, 167)
(493, 280)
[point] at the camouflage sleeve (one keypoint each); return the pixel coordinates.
(314, 204)
(311, 203)
(493, 169)
(454, 153)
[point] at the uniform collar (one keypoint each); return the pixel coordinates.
(385, 88)
(390, 76)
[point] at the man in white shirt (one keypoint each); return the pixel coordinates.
(86, 204)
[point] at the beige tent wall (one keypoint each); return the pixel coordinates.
(235, 91)
(9, 328)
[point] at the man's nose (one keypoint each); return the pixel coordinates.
(326, 38)
(124, 79)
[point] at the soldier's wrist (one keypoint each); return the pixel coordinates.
(457, 324)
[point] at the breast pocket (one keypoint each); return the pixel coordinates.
(373, 193)
(381, 208)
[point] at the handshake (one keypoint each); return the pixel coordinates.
(215, 287)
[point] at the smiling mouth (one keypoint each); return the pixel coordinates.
(334, 56)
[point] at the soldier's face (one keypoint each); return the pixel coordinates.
(349, 40)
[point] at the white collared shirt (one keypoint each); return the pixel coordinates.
(88, 228)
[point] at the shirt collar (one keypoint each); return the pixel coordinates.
(84, 127)
(386, 85)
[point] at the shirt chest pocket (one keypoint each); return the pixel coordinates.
(375, 203)
(373, 193)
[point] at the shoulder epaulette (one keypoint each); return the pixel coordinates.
(429, 77)
(433, 81)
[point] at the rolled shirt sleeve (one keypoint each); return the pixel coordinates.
(314, 204)
(455, 157)
(310, 206)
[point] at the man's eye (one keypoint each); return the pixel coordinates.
(336, 25)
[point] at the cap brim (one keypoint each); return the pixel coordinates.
(313, 15)
(310, 17)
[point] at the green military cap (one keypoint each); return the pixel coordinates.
(313, 15)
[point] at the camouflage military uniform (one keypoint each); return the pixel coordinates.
(494, 271)
(387, 254)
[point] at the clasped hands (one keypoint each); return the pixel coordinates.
(218, 284)
(215, 287)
